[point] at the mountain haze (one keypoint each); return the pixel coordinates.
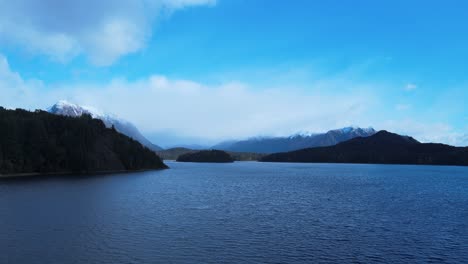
(295, 142)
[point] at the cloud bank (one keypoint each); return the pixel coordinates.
(220, 111)
(231, 110)
(101, 30)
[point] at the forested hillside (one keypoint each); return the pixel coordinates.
(210, 156)
(381, 148)
(40, 142)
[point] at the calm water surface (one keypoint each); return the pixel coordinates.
(244, 212)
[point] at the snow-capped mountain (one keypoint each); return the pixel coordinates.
(69, 109)
(294, 142)
(357, 130)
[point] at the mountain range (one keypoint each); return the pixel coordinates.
(295, 142)
(45, 134)
(381, 148)
(73, 110)
(264, 145)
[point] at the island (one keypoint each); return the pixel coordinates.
(381, 148)
(43, 143)
(174, 153)
(208, 156)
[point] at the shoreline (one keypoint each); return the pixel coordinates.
(102, 172)
(361, 163)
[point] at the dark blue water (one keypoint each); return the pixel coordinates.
(240, 213)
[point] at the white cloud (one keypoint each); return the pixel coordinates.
(436, 132)
(14, 89)
(102, 30)
(464, 140)
(227, 110)
(411, 87)
(221, 111)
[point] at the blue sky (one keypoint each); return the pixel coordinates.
(203, 70)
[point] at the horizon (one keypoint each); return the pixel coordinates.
(198, 71)
(96, 113)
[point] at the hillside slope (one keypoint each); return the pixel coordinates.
(40, 142)
(382, 148)
(73, 110)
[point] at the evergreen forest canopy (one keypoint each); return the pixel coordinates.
(40, 142)
(210, 156)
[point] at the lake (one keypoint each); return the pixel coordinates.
(245, 212)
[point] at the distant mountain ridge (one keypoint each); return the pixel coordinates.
(73, 110)
(295, 142)
(381, 148)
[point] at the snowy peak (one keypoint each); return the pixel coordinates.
(70, 109)
(297, 141)
(352, 130)
(303, 134)
(66, 108)
(356, 130)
